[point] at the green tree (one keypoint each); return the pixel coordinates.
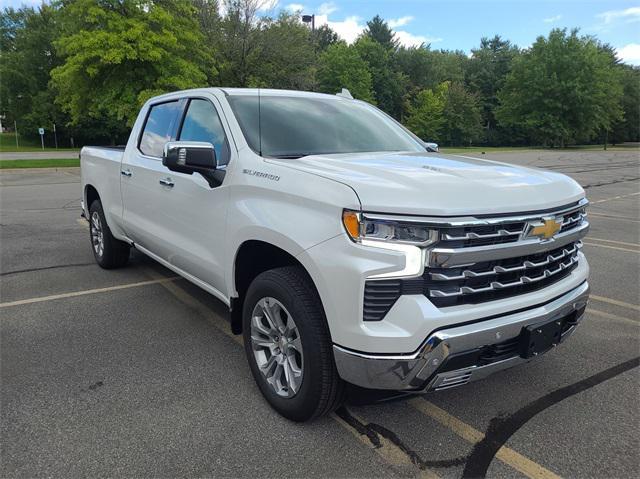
(627, 128)
(324, 37)
(378, 30)
(462, 117)
(28, 55)
(563, 89)
(486, 73)
(119, 53)
(210, 22)
(388, 84)
(424, 68)
(285, 57)
(425, 116)
(240, 42)
(339, 67)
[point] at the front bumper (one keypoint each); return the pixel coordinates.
(432, 367)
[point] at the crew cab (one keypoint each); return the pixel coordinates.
(347, 250)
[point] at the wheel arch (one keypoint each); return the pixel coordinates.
(252, 258)
(90, 195)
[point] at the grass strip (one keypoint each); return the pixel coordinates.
(40, 163)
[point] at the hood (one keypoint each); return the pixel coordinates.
(441, 185)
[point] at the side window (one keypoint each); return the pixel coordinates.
(202, 123)
(159, 127)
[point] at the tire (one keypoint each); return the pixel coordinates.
(288, 293)
(108, 251)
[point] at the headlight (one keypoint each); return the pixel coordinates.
(360, 228)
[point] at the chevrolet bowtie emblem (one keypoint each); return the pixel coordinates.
(546, 228)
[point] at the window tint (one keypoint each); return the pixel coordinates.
(202, 123)
(299, 126)
(159, 128)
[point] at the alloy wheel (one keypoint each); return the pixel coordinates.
(97, 235)
(276, 345)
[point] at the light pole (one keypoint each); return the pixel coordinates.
(310, 19)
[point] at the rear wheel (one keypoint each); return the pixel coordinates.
(108, 251)
(288, 345)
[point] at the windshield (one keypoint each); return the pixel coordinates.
(293, 127)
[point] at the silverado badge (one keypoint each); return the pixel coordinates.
(544, 229)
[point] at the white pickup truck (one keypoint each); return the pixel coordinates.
(347, 250)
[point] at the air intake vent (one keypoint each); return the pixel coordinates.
(379, 297)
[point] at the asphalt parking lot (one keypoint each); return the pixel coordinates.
(134, 372)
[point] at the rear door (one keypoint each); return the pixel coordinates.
(145, 221)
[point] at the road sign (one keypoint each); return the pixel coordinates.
(41, 131)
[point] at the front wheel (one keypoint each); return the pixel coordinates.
(288, 345)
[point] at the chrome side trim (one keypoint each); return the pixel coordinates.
(473, 221)
(413, 372)
(189, 277)
(449, 257)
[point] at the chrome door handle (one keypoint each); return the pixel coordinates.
(167, 182)
(126, 173)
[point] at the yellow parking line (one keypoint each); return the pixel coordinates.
(85, 292)
(614, 242)
(614, 217)
(612, 247)
(219, 322)
(514, 459)
(617, 302)
(602, 314)
(388, 451)
(614, 198)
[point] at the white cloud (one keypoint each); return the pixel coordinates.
(352, 26)
(348, 29)
(409, 40)
(295, 7)
(399, 22)
(327, 8)
(630, 53)
(268, 5)
(553, 19)
(632, 14)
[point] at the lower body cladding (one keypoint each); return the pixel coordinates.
(457, 355)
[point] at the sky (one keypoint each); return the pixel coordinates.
(460, 24)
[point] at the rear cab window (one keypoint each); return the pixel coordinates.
(160, 127)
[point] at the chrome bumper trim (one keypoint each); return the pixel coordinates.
(419, 371)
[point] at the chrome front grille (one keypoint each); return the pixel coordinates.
(485, 259)
(486, 281)
(493, 258)
(461, 237)
(547, 264)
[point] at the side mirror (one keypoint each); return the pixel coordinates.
(432, 147)
(192, 157)
(189, 156)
